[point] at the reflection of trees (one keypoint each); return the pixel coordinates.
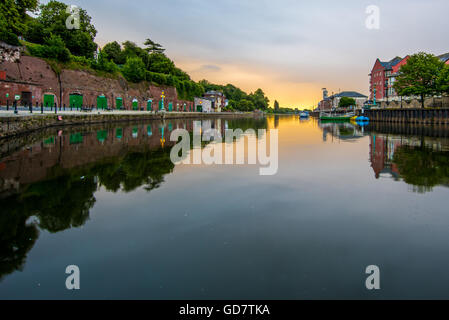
(248, 123)
(64, 200)
(134, 170)
(60, 203)
(422, 167)
(16, 236)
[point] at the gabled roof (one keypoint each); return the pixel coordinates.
(444, 57)
(349, 94)
(214, 93)
(390, 64)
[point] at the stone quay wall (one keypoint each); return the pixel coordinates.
(418, 116)
(15, 126)
(32, 78)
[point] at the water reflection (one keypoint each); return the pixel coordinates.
(54, 180)
(420, 161)
(228, 224)
(417, 155)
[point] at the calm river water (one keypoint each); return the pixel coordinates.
(109, 200)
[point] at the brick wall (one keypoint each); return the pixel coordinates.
(35, 75)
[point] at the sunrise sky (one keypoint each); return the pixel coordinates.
(289, 48)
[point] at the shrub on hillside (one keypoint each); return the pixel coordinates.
(134, 70)
(6, 35)
(54, 48)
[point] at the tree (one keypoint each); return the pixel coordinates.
(134, 70)
(26, 5)
(53, 48)
(14, 12)
(153, 47)
(132, 50)
(6, 35)
(346, 102)
(52, 20)
(246, 105)
(443, 80)
(419, 76)
(260, 101)
(158, 62)
(114, 52)
(103, 63)
(276, 105)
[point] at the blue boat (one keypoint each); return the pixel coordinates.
(304, 114)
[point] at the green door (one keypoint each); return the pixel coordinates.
(185, 107)
(119, 133)
(76, 138)
(102, 135)
(199, 109)
(119, 103)
(102, 102)
(149, 103)
(49, 100)
(49, 141)
(76, 101)
(161, 105)
(135, 105)
(170, 106)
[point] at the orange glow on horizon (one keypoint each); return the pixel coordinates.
(289, 94)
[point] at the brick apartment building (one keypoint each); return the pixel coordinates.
(383, 76)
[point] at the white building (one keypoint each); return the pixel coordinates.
(359, 98)
(203, 105)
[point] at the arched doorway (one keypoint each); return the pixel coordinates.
(135, 104)
(118, 103)
(102, 102)
(76, 100)
(49, 100)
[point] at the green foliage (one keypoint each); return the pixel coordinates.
(419, 76)
(238, 99)
(52, 21)
(134, 70)
(186, 89)
(54, 48)
(259, 100)
(6, 35)
(103, 63)
(13, 12)
(346, 102)
(48, 37)
(443, 80)
(422, 167)
(153, 47)
(114, 52)
(36, 32)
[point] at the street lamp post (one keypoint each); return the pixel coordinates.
(162, 97)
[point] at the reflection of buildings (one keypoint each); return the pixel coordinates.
(419, 161)
(382, 150)
(342, 131)
(76, 149)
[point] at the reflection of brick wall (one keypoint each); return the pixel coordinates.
(35, 162)
(381, 155)
(35, 75)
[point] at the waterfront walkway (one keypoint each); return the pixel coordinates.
(22, 112)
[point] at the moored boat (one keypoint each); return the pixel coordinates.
(334, 116)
